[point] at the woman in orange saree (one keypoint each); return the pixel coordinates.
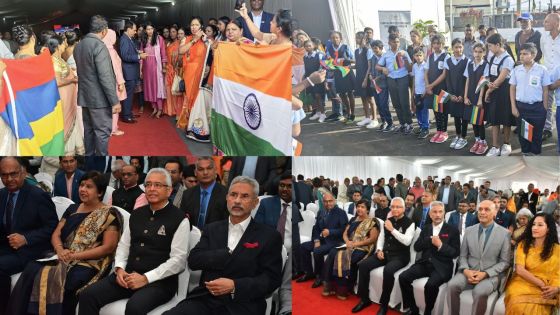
(193, 49)
(174, 65)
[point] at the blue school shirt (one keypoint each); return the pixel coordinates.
(555, 76)
(419, 80)
(388, 59)
(529, 84)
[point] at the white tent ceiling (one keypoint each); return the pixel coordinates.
(510, 172)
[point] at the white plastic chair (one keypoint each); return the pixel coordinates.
(195, 275)
(44, 177)
(313, 208)
(306, 226)
(376, 278)
(274, 296)
(466, 304)
(14, 280)
(346, 206)
(108, 194)
(61, 204)
(500, 306)
(448, 214)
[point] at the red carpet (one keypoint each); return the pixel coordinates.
(150, 136)
(306, 300)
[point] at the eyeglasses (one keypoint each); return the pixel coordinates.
(128, 174)
(10, 175)
(155, 185)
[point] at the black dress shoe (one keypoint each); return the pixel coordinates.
(411, 312)
(305, 278)
(316, 283)
(360, 306)
(129, 121)
(296, 275)
(136, 115)
(546, 134)
(382, 310)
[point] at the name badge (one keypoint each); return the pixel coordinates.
(494, 70)
(440, 65)
(534, 81)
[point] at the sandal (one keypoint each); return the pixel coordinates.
(117, 133)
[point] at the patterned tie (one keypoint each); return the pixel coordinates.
(281, 226)
(461, 224)
(9, 212)
(202, 215)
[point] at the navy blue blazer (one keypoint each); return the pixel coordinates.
(129, 57)
(60, 185)
(455, 219)
(335, 221)
(505, 219)
(34, 217)
(265, 24)
(269, 212)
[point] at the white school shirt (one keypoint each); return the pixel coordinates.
(529, 84)
(492, 69)
(454, 60)
(466, 73)
(419, 80)
(555, 76)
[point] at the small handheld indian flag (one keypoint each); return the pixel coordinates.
(477, 116)
(481, 83)
(437, 106)
(377, 88)
(444, 96)
(526, 130)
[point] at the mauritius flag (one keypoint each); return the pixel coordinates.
(252, 100)
(331, 65)
(31, 106)
(438, 105)
(477, 116)
(526, 130)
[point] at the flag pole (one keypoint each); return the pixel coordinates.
(13, 106)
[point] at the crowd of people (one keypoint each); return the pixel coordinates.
(361, 226)
(477, 81)
(102, 257)
(164, 67)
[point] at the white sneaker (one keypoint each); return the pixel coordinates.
(315, 117)
(505, 150)
(454, 142)
(493, 152)
(461, 143)
(322, 118)
(363, 122)
(373, 124)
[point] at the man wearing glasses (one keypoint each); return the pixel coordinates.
(151, 253)
(206, 202)
(27, 220)
(129, 196)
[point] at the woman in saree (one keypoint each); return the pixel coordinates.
(67, 83)
(535, 286)
(522, 217)
(193, 50)
(110, 39)
(341, 267)
(85, 241)
(174, 67)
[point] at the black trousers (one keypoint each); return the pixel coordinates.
(431, 289)
(141, 301)
(318, 257)
(392, 265)
(10, 264)
(201, 305)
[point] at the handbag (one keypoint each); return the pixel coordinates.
(178, 86)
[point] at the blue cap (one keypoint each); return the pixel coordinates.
(525, 16)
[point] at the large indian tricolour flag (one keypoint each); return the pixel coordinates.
(251, 104)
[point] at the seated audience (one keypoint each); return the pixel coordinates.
(28, 221)
(341, 267)
(67, 180)
(356, 196)
(383, 208)
(421, 215)
(393, 252)
(522, 217)
(437, 246)
(150, 255)
(129, 196)
(535, 286)
(240, 259)
(85, 241)
(485, 256)
(462, 218)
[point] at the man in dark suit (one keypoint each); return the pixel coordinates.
(421, 215)
(462, 218)
(437, 246)
(97, 94)
(448, 194)
(356, 196)
(504, 217)
(27, 221)
(531, 198)
(131, 68)
(261, 168)
(304, 192)
(468, 194)
(326, 234)
(206, 202)
(383, 209)
(279, 213)
(67, 181)
(259, 17)
(240, 259)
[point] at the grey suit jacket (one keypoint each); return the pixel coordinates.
(494, 260)
(96, 78)
(452, 199)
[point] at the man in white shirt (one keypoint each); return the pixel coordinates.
(148, 261)
(240, 259)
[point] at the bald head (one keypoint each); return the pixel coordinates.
(552, 22)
